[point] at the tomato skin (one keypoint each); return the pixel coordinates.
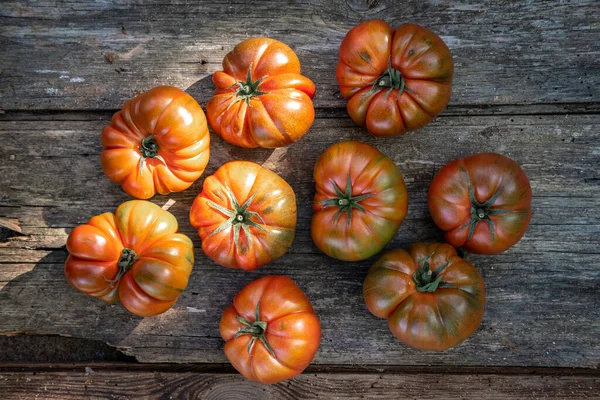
(371, 173)
(271, 222)
(168, 118)
(293, 330)
(489, 174)
(424, 85)
(435, 320)
(156, 275)
(278, 113)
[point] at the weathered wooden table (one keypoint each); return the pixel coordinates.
(527, 84)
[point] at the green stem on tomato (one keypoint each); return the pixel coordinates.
(248, 89)
(240, 217)
(257, 329)
(125, 263)
(427, 280)
(345, 201)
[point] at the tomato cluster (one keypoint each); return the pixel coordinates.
(396, 80)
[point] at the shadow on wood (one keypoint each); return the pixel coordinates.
(24, 309)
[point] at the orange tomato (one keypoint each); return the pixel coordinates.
(395, 80)
(271, 331)
(432, 298)
(134, 255)
(245, 215)
(261, 99)
(158, 142)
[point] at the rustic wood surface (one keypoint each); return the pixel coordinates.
(527, 85)
(75, 54)
(114, 382)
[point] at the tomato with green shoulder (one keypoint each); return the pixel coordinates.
(432, 298)
(360, 201)
(482, 202)
(395, 80)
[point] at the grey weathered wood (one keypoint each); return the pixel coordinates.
(526, 85)
(108, 382)
(542, 293)
(55, 54)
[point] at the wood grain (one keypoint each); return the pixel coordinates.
(103, 383)
(542, 293)
(73, 55)
(527, 85)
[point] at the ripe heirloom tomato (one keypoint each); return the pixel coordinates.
(482, 202)
(134, 255)
(261, 99)
(396, 80)
(271, 331)
(432, 298)
(360, 201)
(245, 215)
(158, 142)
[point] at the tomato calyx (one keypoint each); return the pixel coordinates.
(125, 263)
(149, 149)
(390, 78)
(257, 329)
(427, 280)
(248, 89)
(482, 212)
(240, 218)
(345, 201)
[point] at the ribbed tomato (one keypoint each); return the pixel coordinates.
(134, 255)
(271, 331)
(245, 215)
(261, 99)
(158, 142)
(360, 201)
(432, 298)
(482, 202)
(395, 80)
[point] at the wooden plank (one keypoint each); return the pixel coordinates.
(121, 383)
(56, 56)
(340, 112)
(542, 294)
(551, 215)
(559, 153)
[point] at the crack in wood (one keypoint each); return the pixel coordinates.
(40, 346)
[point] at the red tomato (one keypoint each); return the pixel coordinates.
(158, 142)
(482, 202)
(395, 80)
(360, 201)
(261, 99)
(245, 215)
(432, 298)
(134, 255)
(271, 331)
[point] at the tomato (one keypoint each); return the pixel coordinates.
(432, 298)
(395, 80)
(482, 202)
(134, 255)
(245, 215)
(158, 142)
(261, 99)
(271, 331)
(360, 201)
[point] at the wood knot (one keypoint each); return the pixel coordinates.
(361, 5)
(490, 131)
